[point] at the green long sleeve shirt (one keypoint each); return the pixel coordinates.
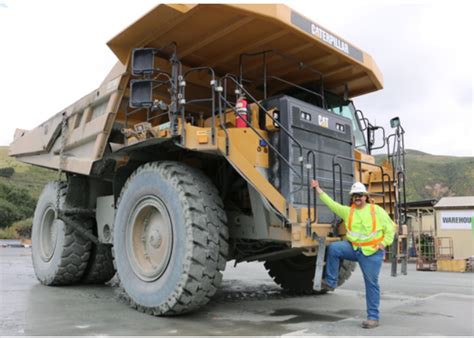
(362, 221)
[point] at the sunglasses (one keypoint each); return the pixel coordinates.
(357, 196)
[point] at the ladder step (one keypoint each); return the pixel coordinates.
(318, 274)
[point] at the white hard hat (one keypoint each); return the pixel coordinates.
(358, 188)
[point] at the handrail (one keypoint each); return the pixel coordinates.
(397, 159)
(310, 166)
(334, 165)
(259, 135)
(222, 122)
(277, 123)
(323, 100)
(389, 155)
(389, 192)
(383, 174)
(361, 118)
(401, 174)
(224, 80)
(370, 164)
(212, 99)
(370, 128)
(301, 66)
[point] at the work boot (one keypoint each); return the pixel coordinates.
(325, 286)
(370, 324)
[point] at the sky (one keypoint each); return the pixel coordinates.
(54, 52)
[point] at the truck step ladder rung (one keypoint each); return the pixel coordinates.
(318, 274)
(401, 240)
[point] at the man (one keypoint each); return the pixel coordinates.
(369, 231)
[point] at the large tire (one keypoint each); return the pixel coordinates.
(170, 239)
(296, 274)
(60, 254)
(100, 268)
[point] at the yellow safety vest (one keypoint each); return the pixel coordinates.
(365, 240)
(380, 219)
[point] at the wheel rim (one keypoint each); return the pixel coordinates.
(149, 238)
(48, 234)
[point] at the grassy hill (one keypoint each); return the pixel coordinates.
(20, 187)
(432, 176)
(27, 177)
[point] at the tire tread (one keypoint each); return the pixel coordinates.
(75, 251)
(206, 225)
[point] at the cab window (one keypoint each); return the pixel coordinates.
(336, 106)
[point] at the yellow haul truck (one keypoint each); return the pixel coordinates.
(199, 148)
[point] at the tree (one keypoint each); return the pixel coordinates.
(8, 213)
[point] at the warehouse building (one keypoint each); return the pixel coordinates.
(454, 218)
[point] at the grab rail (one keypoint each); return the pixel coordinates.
(310, 166)
(212, 99)
(301, 66)
(277, 123)
(353, 160)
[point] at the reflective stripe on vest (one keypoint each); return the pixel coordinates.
(362, 236)
(374, 242)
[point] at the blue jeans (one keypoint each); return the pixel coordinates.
(370, 266)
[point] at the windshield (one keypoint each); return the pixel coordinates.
(347, 109)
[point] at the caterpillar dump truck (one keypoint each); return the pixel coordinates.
(199, 147)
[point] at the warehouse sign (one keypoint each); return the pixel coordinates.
(457, 219)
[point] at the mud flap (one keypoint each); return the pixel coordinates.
(318, 274)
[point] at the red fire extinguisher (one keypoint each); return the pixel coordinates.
(241, 108)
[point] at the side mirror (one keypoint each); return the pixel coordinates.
(141, 94)
(143, 61)
(395, 122)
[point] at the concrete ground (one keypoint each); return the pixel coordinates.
(249, 303)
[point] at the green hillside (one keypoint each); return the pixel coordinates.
(432, 176)
(27, 177)
(20, 187)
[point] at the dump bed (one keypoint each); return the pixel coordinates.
(216, 35)
(205, 35)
